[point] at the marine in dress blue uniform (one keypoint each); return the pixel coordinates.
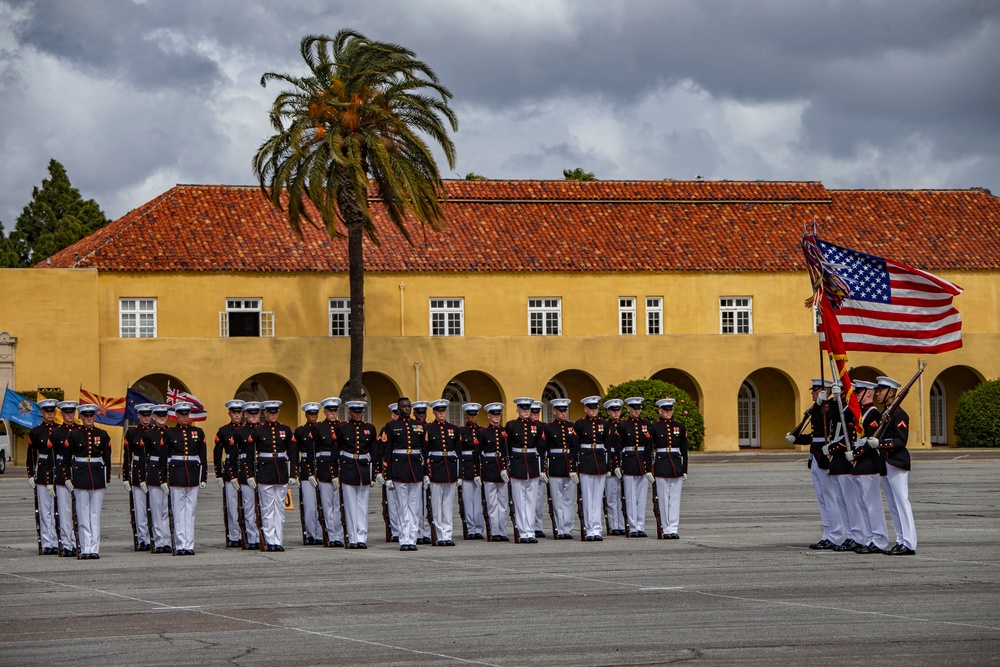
(88, 470)
(593, 434)
(312, 530)
(472, 480)
(327, 470)
(38, 463)
(273, 450)
(613, 485)
(526, 447)
(134, 473)
(63, 506)
(543, 484)
(668, 461)
(493, 456)
(634, 437)
(895, 484)
(442, 463)
(868, 466)
(839, 428)
(226, 458)
(245, 477)
(356, 446)
(403, 460)
(185, 471)
(562, 448)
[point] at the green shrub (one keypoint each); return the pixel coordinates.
(977, 419)
(685, 411)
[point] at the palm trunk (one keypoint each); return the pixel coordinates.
(354, 219)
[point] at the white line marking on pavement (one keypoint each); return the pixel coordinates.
(663, 588)
(963, 456)
(197, 610)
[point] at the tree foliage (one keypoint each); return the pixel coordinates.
(578, 174)
(473, 176)
(685, 410)
(977, 419)
(55, 218)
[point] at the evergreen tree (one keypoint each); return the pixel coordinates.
(578, 174)
(56, 217)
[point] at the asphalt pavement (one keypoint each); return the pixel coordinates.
(739, 587)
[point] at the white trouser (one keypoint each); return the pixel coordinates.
(307, 496)
(498, 507)
(88, 519)
(636, 488)
(46, 518)
(525, 496)
(272, 512)
(64, 498)
(829, 512)
(184, 503)
(232, 513)
(540, 506)
(592, 491)
(443, 509)
(410, 499)
(472, 500)
(161, 519)
(668, 491)
(562, 491)
(613, 496)
(249, 513)
(141, 518)
(329, 498)
(391, 501)
(850, 506)
(356, 512)
(897, 491)
(425, 526)
(871, 505)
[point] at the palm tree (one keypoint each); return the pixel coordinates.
(349, 129)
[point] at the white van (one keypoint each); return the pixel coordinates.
(5, 438)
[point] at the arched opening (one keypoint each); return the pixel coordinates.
(379, 391)
(766, 421)
(748, 416)
(457, 394)
(574, 385)
(155, 386)
(952, 383)
(681, 380)
(272, 387)
(470, 386)
(939, 415)
(866, 373)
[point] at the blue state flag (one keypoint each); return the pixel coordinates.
(20, 410)
(133, 398)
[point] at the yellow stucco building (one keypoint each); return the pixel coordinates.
(544, 289)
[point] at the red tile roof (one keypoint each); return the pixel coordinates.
(561, 226)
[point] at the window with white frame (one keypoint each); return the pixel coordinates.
(736, 314)
(340, 317)
(447, 316)
(457, 394)
(626, 315)
(654, 315)
(244, 317)
(137, 318)
(545, 316)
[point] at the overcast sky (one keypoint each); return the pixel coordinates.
(135, 96)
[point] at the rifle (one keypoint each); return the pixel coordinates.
(486, 514)
(656, 511)
(260, 525)
(302, 516)
(900, 395)
(579, 511)
(321, 514)
(461, 509)
(343, 515)
(38, 521)
(385, 512)
(430, 516)
(513, 511)
(76, 525)
(548, 494)
(621, 484)
(225, 508)
(170, 515)
(55, 515)
(797, 431)
(149, 522)
(840, 409)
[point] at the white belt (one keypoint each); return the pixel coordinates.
(271, 455)
(355, 457)
(631, 450)
(522, 450)
(89, 459)
(450, 455)
(467, 455)
(43, 457)
(819, 440)
(668, 450)
(154, 458)
(490, 455)
(135, 457)
(599, 448)
(324, 455)
(185, 458)
(59, 457)
(408, 452)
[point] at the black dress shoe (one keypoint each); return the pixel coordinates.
(905, 551)
(539, 533)
(640, 533)
(634, 533)
(352, 545)
(495, 538)
(278, 547)
(50, 551)
(337, 543)
(529, 540)
(269, 547)
(362, 545)
(253, 546)
(504, 538)
(822, 544)
(411, 547)
(310, 541)
(98, 556)
(235, 544)
(598, 538)
(68, 553)
(870, 549)
(395, 538)
(588, 538)
(476, 536)
(893, 549)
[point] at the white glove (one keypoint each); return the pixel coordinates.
(128, 487)
(544, 478)
(850, 455)
(790, 438)
(389, 485)
(684, 476)
(427, 482)
(504, 476)
(69, 485)
(313, 482)
(821, 397)
(872, 442)
(835, 389)
(649, 476)
(336, 482)
(51, 490)
(203, 485)
(478, 481)
(826, 450)
(31, 482)
(618, 473)
(252, 483)
(380, 478)
(576, 478)
(165, 488)
(235, 483)
(142, 485)
(293, 481)
(221, 482)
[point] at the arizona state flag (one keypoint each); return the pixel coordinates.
(110, 411)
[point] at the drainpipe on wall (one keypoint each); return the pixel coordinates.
(416, 377)
(402, 327)
(920, 364)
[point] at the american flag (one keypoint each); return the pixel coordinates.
(890, 307)
(198, 413)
